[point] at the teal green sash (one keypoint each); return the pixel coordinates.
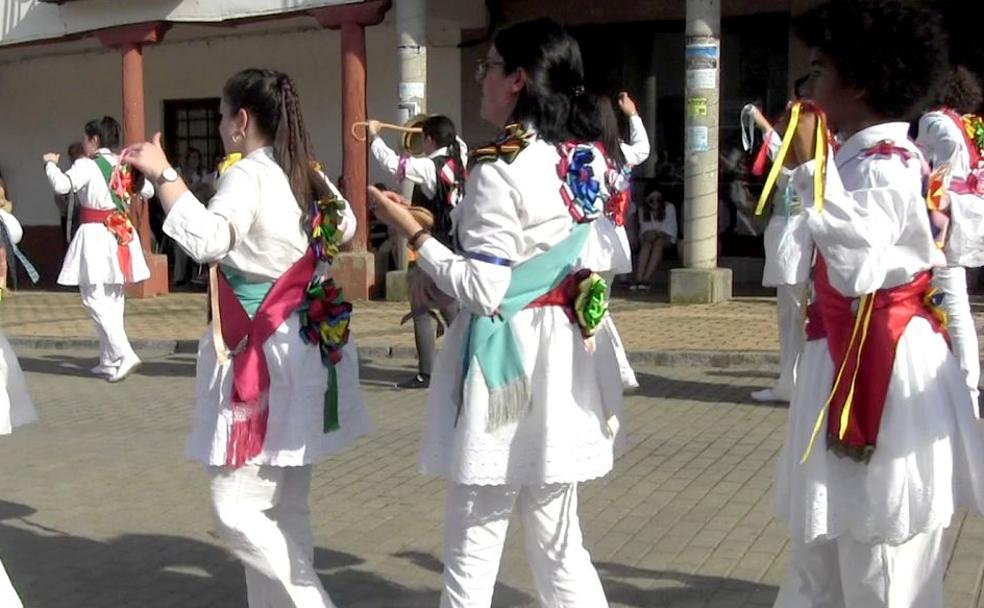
(250, 295)
(491, 342)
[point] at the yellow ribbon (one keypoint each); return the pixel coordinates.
(787, 141)
(820, 153)
(229, 161)
(861, 323)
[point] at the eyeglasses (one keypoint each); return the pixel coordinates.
(482, 68)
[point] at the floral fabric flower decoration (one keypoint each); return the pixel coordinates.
(580, 190)
(591, 303)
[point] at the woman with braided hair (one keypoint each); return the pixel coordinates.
(269, 409)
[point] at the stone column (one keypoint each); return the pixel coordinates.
(700, 281)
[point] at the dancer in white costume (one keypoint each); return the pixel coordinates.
(439, 183)
(100, 261)
(16, 407)
(880, 416)
(608, 249)
(944, 139)
(522, 408)
(260, 439)
(787, 268)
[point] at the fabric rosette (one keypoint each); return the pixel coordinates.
(121, 183)
(591, 303)
(933, 301)
(120, 227)
(325, 318)
(974, 127)
(580, 190)
(326, 215)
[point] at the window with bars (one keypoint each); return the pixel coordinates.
(189, 125)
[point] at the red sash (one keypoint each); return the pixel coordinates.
(117, 227)
(862, 346)
(250, 376)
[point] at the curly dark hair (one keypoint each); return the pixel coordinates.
(892, 50)
(961, 91)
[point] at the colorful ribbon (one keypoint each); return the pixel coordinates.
(820, 155)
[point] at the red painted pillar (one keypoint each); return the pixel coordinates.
(354, 269)
(130, 41)
(134, 129)
(355, 152)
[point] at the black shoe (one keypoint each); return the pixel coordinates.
(418, 381)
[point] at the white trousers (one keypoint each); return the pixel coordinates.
(475, 524)
(952, 280)
(263, 517)
(105, 304)
(792, 335)
(845, 573)
(8, 595)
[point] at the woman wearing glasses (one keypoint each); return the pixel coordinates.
(526, 395)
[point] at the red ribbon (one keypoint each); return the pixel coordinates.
(119, 227)
(868, 362)
(888, 148)
(972, 184)
(761, 157)
(251, 378)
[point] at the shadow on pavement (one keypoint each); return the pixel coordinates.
(54, 569)
(75, 365)
(661, 387)
(632, 586)
(503, 597)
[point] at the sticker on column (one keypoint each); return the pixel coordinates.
(702, 62)
(696, 106)
(697, 139)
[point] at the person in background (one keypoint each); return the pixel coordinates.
(68, 204)
(439, 184)
(944, 139)
(657, 232)
(192, 167)
(105, 254)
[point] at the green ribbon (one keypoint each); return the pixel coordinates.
(331, 401)
(106, 168)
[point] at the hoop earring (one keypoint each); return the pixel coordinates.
(238, 137)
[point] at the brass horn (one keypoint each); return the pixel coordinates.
(412, 141)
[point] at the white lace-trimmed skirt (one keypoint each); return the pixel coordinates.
(929, 460)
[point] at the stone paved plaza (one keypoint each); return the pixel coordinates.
(99, 509)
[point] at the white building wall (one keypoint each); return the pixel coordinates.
(47, 100)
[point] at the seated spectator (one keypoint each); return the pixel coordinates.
(657, 231)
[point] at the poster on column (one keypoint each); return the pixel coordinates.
(698, 139)
(702, 56)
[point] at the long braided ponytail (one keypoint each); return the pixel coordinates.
(271, 98)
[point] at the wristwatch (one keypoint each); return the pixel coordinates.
(167, 176)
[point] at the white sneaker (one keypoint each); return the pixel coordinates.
(125, 369)
(767, 395)
(106, 371)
